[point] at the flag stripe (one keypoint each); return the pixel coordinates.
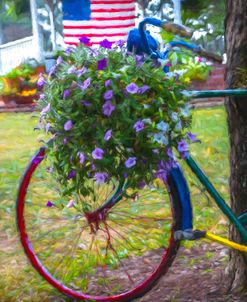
(95, 35)
(105, 31)
(108, 7)
(112, 2)
(114, 18)
(98, 27)
(97, 23)
(112, 10)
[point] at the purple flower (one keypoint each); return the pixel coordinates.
(85, 84)
(130, 162)
(106, 44)
(65, 140)
(81, 71)
(82, 157)
(100, 177)
(68, 125)
(108, 95)
(41, 81)
(37, 159)
(72, 174)
(162, 175)
(52, 70)
(84, 40)
(70, 204)
(170, 153)
(143, 89)
(97, 153)
(192, 137)
(102, 64)
(107, 83)
(49, 204)
(108, 135)
(46, 109)
(50, 169)
(132, 88)
(41, 96)
(182, 146)
(71, 70)
(68, 51)
(108, 108)
(120, 43)
(59, 60)
(139, 60)
(47, 127)
(66, 94)
(142, 184)
(155, 151)
(139, 125)
(86, 103)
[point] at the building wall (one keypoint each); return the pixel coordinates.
(215, 81)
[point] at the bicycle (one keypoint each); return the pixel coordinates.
(107, 265)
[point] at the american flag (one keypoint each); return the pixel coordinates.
(97, 20)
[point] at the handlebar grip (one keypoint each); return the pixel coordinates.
(177, 29)
(210, 55)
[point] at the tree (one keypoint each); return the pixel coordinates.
(152, 8)
(236, 45)
(205, 17)
(14, 20)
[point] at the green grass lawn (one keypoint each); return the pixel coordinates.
(19, 282)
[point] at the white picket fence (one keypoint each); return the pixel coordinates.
(14, 53)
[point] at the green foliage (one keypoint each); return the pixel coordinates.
(190, 68)
(205, 16)
(23, 71)
(155, 101)
(241, 78)
(12, 9)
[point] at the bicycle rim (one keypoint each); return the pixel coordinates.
(114, 256)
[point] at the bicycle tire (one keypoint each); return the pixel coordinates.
(134, 254)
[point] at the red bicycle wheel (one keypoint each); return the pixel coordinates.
(113, 255)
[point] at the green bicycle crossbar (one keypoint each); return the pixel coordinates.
(216, 93)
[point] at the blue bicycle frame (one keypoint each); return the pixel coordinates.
(176, 175)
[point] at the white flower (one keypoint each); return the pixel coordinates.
(174, 116)
(163, 62)
(187, 94)
(123, 69)
(173, 135)
(160, 138)
(146, 106)
(170, 74)
(178, 126)
(185, 111)
(162, 126)
(180, 72)
(147, 121)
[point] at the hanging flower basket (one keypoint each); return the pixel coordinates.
(112, 114)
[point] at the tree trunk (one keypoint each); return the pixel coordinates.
(236, 47)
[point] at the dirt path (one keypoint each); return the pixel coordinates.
(196, 275)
